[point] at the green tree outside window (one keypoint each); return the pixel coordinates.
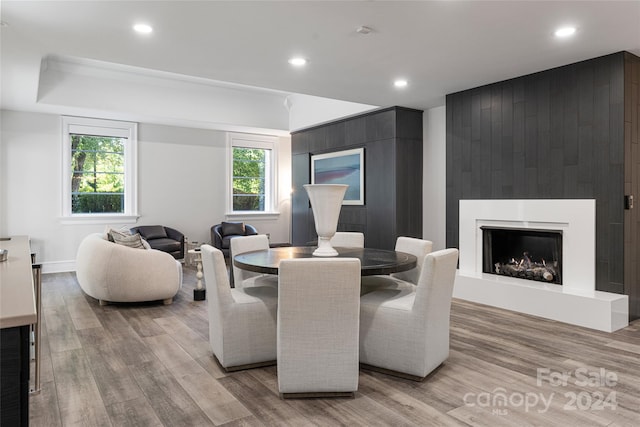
(97, 175)
(249, 168)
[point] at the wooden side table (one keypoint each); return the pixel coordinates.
(199, 293)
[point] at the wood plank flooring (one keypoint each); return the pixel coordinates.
(151, 365)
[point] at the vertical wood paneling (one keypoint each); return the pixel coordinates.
(561, 133)
(392, 139)
(408, 183)
(482, 159)
(300, 170)
(381, 197)
(632, 182)
(335, 136)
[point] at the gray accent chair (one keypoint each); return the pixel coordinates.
(221, 234)
(405, 332)
(318, 321)
(165, 239)
(242, 322)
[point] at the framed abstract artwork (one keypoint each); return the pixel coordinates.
(341, 167)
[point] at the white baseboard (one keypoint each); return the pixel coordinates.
(58, 266)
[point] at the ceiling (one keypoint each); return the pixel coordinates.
(440, 47)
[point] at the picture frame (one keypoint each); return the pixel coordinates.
(341, 167)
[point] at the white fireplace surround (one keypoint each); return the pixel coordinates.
(576, 301)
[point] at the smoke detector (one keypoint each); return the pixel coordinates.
(363, 30)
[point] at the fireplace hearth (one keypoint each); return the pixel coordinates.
(529, 254)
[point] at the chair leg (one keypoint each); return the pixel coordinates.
(167, 301)
(103, 302)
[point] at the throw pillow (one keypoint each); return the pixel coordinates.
(145, 244)
(134, 241)
(229, 228)
(121, 233)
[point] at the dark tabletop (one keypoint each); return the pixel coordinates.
(372, 261)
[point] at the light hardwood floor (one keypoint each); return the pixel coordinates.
(151, 365)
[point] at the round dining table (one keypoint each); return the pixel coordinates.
(372, 261)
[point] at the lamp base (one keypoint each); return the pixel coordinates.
(199, 294)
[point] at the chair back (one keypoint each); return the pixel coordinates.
(240, 245)
(435, 287)
(348, 239)
(219, 298)
(318, 325)
(413, 246)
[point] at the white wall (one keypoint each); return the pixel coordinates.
(31, 178)
(181, 183)
(307, 110)
(181, 177)
(434, 177)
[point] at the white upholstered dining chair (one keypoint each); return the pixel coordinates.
(404, 279)
(405, 332)
(243, 278)
(413, 246)
(347, 239)
(318, 321)
(242, 322)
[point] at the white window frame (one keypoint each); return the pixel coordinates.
(101, 127)
(246, 140)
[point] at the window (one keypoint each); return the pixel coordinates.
(99, 170)
(252, 166)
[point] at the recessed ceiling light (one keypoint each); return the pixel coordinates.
(143, 28)
(297, 61)
(565, 31)
(400, 83)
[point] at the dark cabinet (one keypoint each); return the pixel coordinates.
(19, 309)
(14, 376)
(392, 142)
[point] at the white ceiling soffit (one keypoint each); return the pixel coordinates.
(149, 95)
(153, 96)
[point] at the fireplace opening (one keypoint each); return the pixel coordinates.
(523, 253)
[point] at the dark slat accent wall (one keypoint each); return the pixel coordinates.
(557, 134)
(392, 141)
(632, 181)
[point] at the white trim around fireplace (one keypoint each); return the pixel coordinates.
(575, 218)
(576, 301)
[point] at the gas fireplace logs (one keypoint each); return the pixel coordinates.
(527, 269)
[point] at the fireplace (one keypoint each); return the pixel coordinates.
(529, 254)
(567, 228)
